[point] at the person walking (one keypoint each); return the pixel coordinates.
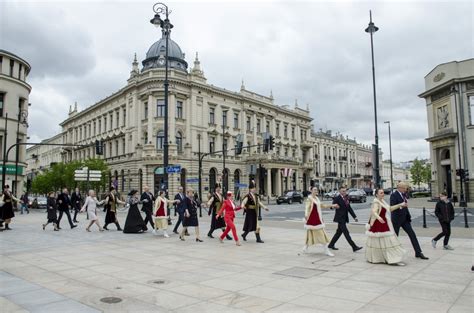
(314, 223)
(64, 203)
(402, 218)
(134, 222)
(229, 208)
(341, 217)
(6, 203)
(444, 211)
(147, 199)
(161, 213)
(24, 203)
(382, 244)
(76, 199)
(190, 215)
(52, 208)
(251, 203)
(111, 203)
(180, 207)
(90, 205)
(214, 204)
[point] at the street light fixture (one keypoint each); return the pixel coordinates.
(372, 29)
(462, 200)
(166, 26)
(390, 147)
(22, 119)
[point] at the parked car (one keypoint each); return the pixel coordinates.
(290, 197)
(357, 196)
(368, 191)
(38, 202)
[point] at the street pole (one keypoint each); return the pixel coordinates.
(224, 148)
(200, 174)
(462, 200)
(390, 147)
(4, 166)
(372, 29)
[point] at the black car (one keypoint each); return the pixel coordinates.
(368, 191)
(357, 196)
(290, 197)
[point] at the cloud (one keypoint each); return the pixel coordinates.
(316, 52)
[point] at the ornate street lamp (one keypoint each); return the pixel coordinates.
(391, 163)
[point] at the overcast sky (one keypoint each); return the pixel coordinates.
(314, 51)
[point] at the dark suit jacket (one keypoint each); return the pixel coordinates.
(65, 202)
(148, 205)
(76, 200)
(181, 206)
(444, 211)
(341, 215)
(401, 215)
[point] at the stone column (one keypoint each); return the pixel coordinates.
(151, 114)
(269, 182)
(297, 180)
(172, 125)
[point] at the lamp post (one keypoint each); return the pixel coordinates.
(4, 166)
(200, 174)
(462, 200)
(372, 29)
(391, 162)
(166, 26)
(22, 115)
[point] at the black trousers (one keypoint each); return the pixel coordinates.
(342, 229)
(446, 227)
(180, 220)
(406, 225)
(77, 208)
(149, 218)
(68, 217)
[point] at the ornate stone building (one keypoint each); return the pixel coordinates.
(14, 94)
(449, 96)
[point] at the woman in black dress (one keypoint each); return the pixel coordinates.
(51, 208)
(7, 206)
(190, 215)
(134, 222)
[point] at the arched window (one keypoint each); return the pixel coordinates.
(160, 140)
(179, 142)
(236, 184)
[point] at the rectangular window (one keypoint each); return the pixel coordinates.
(258, 126)
(99, 128)
(224, 145)
(471, 107)
(124, 123)
(110, 149)
(145, 138)
(123, 146)
(212, 143)
(19, 71)
(224, 118)
(277, 129)
(212, 116)
(111, 121)
(267, 127)
(179, 109)
(145, 110)
(236, 120)
(95, 129)
(249, 123)
(285, 131)
(2, 99)
(116, 147)
(160, 108)
(12, 63)
(90, 129)
(105, 123)
(292, 133)
(118, 119)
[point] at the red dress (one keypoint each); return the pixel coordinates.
(378, 227)
(161, 210)
(314, 220)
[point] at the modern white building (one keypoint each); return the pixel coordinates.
(14, 94)
(449, 96)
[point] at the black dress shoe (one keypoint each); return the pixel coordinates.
(210, 236)
(73, 226)
(356, 249)
(228, 237)
(421, 256)
(333, 248)
(174, 231)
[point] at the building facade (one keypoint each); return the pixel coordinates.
(14, 94)
(449, 96)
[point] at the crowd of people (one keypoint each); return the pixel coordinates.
(382, 229)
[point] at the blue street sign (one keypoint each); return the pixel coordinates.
(192, 180)
(241, 185)
(173, 169)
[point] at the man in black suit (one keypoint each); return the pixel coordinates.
(402, 218)
(76, 200)
(341, 217)
(64, 204)
(147, 199)
(180, 208)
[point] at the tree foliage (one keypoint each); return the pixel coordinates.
(61, 175)
(420, 173)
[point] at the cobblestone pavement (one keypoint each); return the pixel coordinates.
(75, 271)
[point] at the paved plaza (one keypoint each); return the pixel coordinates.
(76, 271)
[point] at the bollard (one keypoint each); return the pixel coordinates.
(424, 217)
(466, 225)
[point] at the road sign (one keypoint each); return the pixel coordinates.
(173, 169)
(241, 185)
(94, 172)
(192, 180)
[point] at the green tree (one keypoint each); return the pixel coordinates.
(417, 172)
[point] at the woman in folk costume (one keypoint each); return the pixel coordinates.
(160, 213)
(190, 215)
(315, 233)
(215, 203)
(6, 204)
(382, 242)
(90, 205)
(111, 202)
(51, 208)
(251, 203)
(229, 208)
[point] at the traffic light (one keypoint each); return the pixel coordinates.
(266, 144)
(461, 173)
(272, 142)
(99, 148)
(240, 145)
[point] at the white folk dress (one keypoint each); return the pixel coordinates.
(382, 244)
(315, 233)
(91, 206)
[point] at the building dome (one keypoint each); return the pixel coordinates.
(155, 57)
